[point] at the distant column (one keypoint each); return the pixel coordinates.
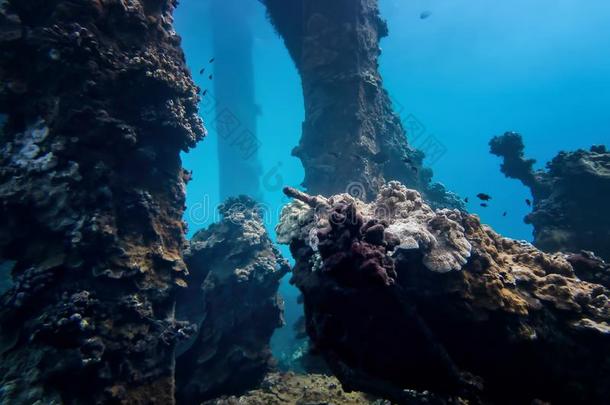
(237, 111)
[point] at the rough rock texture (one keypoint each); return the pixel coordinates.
(352, 140)
(99, 105)
(571, 197)
(298, 389)
(399, 296)
(232, 294)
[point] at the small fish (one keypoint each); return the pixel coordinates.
(505, 214)
(484, 197)
(212, 60)
(202, 71)
(425, 14)
(484, 205)
(466, 200)
(204, 92)
(528, 202)
(211, 77)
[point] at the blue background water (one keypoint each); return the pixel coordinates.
(472, 70)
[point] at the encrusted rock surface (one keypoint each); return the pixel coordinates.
(99, 104)
(352, 140)
(398, 296)
(571, 197)
(233, 296)
(298, 389)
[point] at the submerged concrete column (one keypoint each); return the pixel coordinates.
(352, 140)
(236, 109)
(99, 105)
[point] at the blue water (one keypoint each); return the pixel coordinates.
(472, 70)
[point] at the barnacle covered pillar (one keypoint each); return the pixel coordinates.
(235, 273)
(99, 105)
(570, 197)
(352, 139)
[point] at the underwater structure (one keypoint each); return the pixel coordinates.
(570, 197)
(232, 296)
(107, 303)
(231, 75)
(352, 140)
(400, 297)
(99, 104)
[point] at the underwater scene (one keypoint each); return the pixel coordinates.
(304, 202)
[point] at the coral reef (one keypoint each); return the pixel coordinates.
(352, 139)
(298, 389)
(399, 296)
(570, 197)
(98, 104)
(232, 294)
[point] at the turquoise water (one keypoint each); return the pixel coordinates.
(470, 71)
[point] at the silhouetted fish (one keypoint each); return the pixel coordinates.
(204, 92)
(528, 202)
(212, 60)
(484, 205)
(466, 200)
(425, 14)
(505, 214)
(484, 197)
(211, 77)
(202, 71)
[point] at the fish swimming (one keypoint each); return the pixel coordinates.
(484, 205)
(484, 197)
(425, 14)
(212, 60)
(528, 202)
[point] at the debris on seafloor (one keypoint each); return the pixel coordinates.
(299, 389)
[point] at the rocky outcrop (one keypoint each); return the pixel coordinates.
(352, 140)
(233, 296)
(298, 389)
(570, 197)
(99, 104)
(399, 296)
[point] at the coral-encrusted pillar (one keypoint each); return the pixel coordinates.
(352, 139)
(99, 105)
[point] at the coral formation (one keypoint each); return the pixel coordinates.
(298, 389)
(235, 272)
(570, 197)
(398, 296)
(98, 104)
(352, 140)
